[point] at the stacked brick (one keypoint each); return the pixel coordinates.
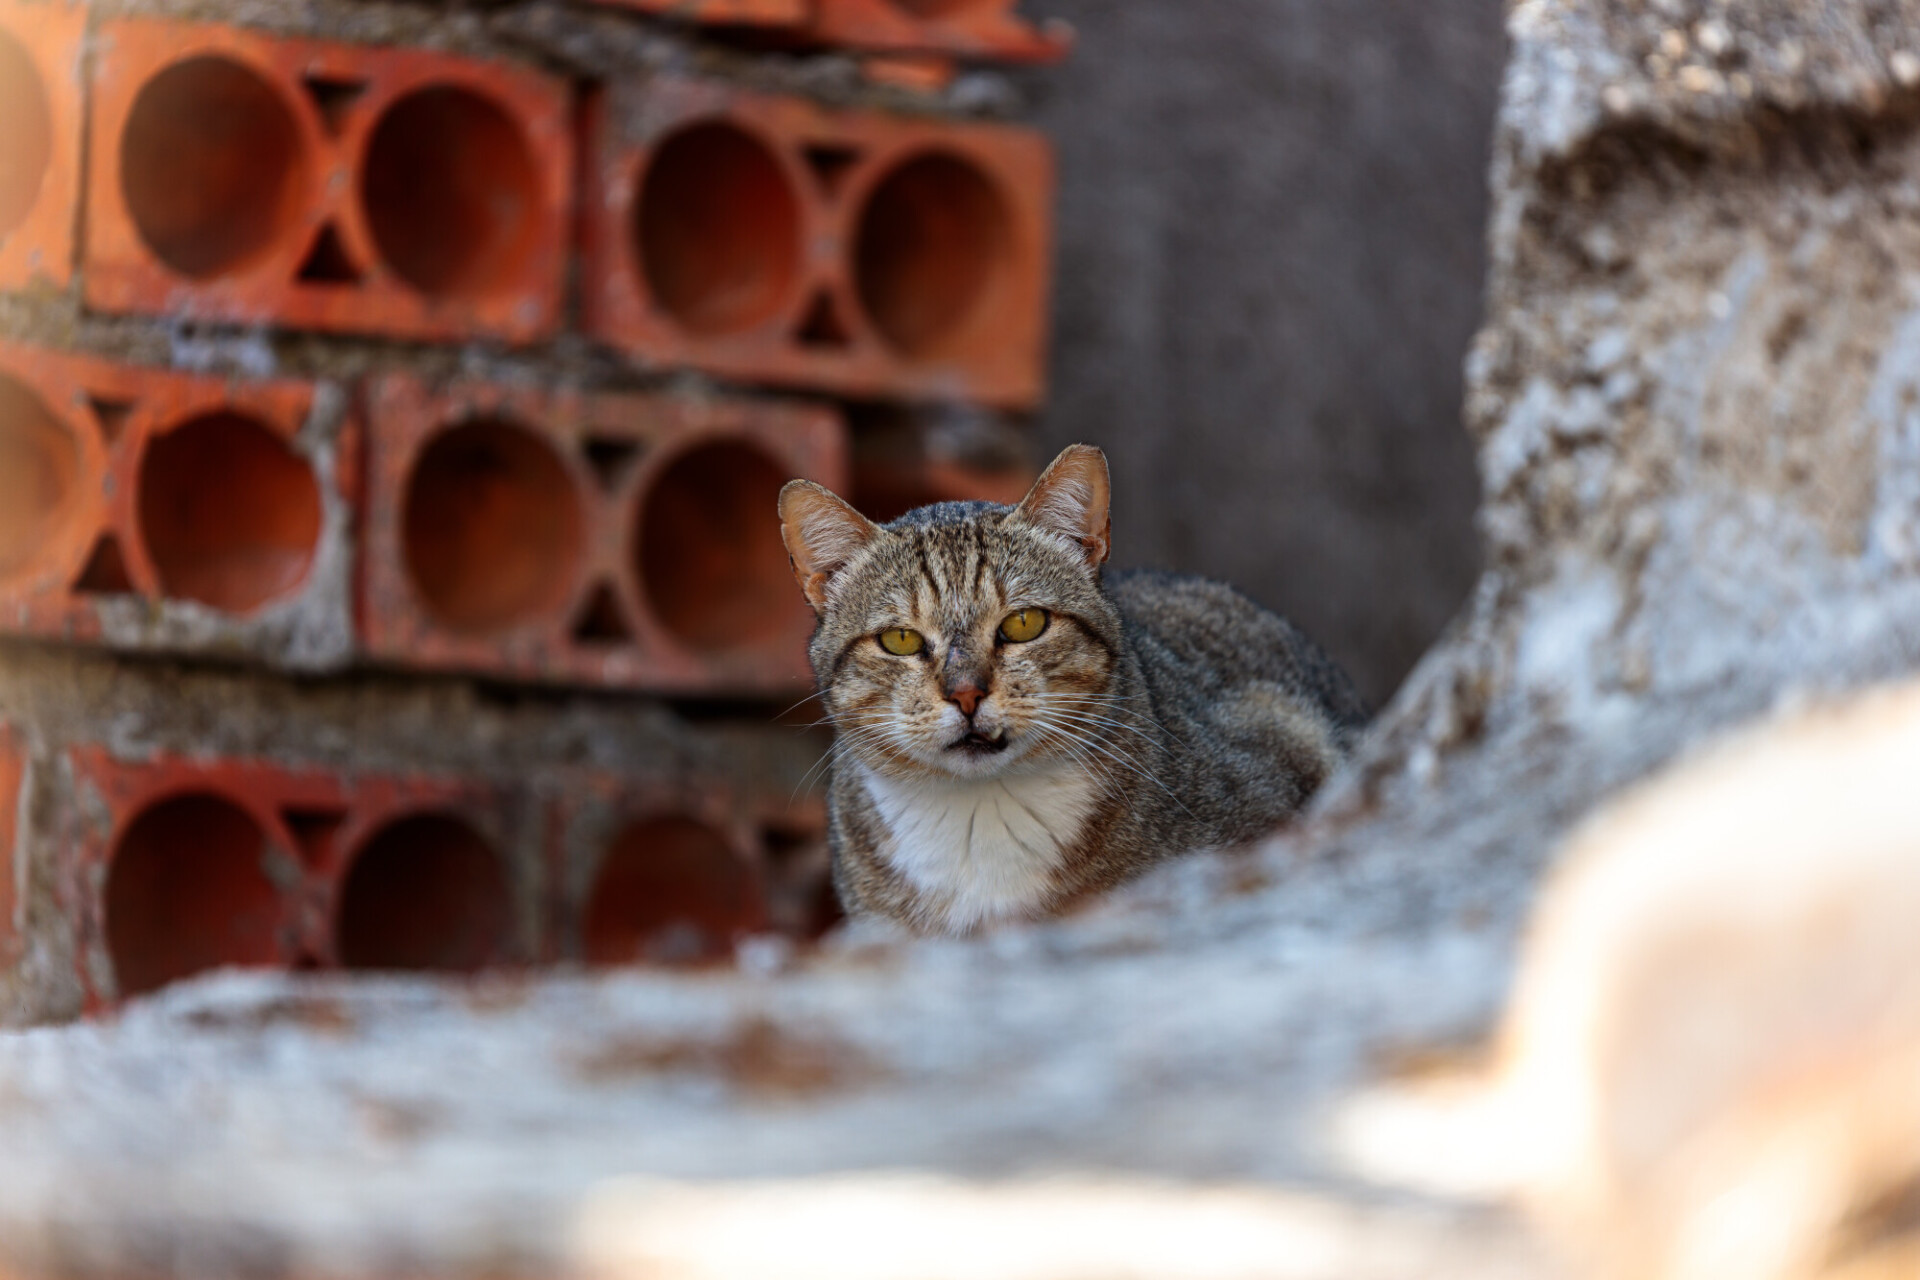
(404, 351)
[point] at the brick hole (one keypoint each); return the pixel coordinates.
(802, 901)
(26, 137)
(334, 98)
(601, 622)
(492, 527)
(229, 513)
(717, 229)
(105, 573)
(40, 465)
(710, 557)
(212, 166)
(328, 262)
(671, 891)
(425, 893)
(188, 891)
(314, 832)
(830, 164)
(612, 461)
(453, 194)
(933, 241)
(111, 415)
(823, 328)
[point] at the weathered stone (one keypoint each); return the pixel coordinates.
(1730, 524)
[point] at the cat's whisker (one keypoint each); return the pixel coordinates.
(849, 723)
(1063, 745)
(1109, 784)
(1088, 718)
(1072, 699)
(831, 756)
(843, 743)
(803, 702)
(1111, 701)
(1131, 766)
(805, 785)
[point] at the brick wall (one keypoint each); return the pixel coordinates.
(392, 407)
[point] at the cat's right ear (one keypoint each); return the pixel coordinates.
(822, 534)
(1073, 497)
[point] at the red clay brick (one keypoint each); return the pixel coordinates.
(172, 866)
(886, 488)
(201, 863)
(657, 874)
(917, 73)
(13, 776)
(41, 112)
(681, 872)
(117, 480)
(775, 240)
(719, 13)
(627, 541)
(388, 191)
(973, 29)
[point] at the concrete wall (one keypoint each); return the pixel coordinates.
(1271, 258)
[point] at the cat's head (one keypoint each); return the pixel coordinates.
(964, 639)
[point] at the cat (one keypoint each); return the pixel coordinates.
(1016, 730)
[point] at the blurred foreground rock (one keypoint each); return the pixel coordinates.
(1697, 405)
(1714, 1049)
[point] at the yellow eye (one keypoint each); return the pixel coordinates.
(902, 642)
(1024, 626)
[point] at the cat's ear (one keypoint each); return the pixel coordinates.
(822, 534)
(1074, 498)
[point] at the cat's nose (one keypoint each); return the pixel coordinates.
(966, 696)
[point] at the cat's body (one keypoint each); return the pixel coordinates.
(981, 777)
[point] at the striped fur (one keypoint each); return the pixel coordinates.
(1155, 715)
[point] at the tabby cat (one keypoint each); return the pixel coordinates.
(1015, 730)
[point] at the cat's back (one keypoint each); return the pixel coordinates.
(1200, 641)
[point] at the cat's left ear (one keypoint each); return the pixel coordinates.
(823, 533)
(1074, 498)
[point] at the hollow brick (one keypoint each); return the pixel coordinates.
(189, 864)
(983, 30)
(724, 13)
(244, 177)
(149, 510)
(41, 109)
(604, 540)
(772, 239)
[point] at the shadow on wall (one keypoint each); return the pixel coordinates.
(1271, 264)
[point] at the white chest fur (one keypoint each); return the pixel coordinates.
(982, 850)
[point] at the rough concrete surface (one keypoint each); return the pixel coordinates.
(1694, 397)
(1694, 405)
(1714, 1044)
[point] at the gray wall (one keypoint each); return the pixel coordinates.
(1271, 264)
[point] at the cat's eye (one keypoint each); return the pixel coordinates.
(1024, 626)
(901, 642)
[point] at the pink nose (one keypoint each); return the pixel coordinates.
(967, 697)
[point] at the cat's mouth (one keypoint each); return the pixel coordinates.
(976, 743)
